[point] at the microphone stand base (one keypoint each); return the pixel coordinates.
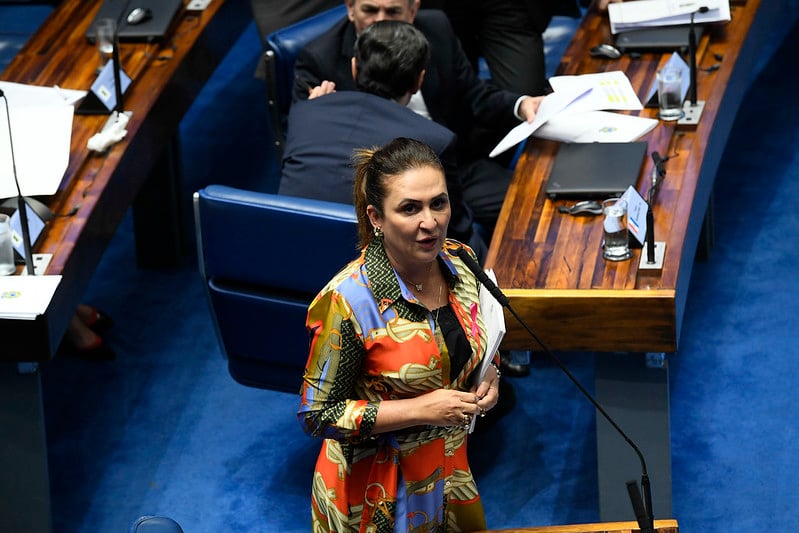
(40, 264)
(660, 252)
(691, 113)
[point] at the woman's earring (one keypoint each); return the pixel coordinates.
(378, 231)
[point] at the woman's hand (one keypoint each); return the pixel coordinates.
(487, 391)
(441, 407)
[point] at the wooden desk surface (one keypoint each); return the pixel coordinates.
(550, 265)
(661, 526)
(100, 188)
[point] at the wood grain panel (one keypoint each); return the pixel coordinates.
(97, 189)
(550, 264)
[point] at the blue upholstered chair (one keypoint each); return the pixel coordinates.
(282, 47)
(154, 524)
(263, 258)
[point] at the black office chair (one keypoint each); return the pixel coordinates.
(282, 47)
(263, 258)
(154, 524)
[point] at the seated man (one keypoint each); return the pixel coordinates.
(451, 93)
(387, 68)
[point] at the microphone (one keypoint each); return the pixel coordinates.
(117, 75)
(21, 205)
(646, 520)
(658, 173)
(692, 52)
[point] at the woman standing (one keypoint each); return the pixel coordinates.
(396, 343)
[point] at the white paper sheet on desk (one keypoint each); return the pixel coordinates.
(595, 126)
(609, 91)
(41, 127)
(26, 297)
(494, 322)
(553, 104)
(626, 16)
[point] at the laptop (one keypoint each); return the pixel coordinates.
(155, 28)
(595, 170)
(659, 39)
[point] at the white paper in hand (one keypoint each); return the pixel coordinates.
(494, 322)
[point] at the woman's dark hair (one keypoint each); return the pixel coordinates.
(373, 167)
(389, 56)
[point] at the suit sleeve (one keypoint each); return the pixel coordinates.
(489, 105)
(307, 73)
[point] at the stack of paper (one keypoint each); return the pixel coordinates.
(26, 297)
(626, 16)
(570, 112)
(595, 126)
(41, 123)
(494, 322)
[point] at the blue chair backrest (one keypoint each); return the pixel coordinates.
(287, 42)
(263, 258)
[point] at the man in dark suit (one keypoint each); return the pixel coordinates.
(451, 93)
(387, 68)
(509, 35)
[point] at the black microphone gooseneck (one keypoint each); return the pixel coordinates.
(658, 172)
(117, 74)
(692, 52)
(21, 205)
(647, 525)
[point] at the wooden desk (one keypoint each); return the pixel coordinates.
(551, 267)
(100, 188)
(661, 526)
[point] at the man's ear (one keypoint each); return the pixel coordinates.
(354, 68)
(418, 85)
(415, 10)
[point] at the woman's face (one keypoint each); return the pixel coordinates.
(415, 216)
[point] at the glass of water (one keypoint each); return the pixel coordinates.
(105, 30)
(616, 246)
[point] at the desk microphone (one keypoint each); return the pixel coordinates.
(692, 52)
(658, 173)
(660, 167)
(646, 518)
(21, 205)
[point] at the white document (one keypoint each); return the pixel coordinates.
(41, 128)
(26, 297)
(551, 105)
(595, 126)
(494, 322)
(576, 94)
(610, 91)
(625, 16)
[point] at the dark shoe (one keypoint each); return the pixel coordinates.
(515, 370)
(98, 351)
(100, 321)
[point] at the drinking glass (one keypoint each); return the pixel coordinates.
(616, 246)
(105, 30)
(670, 94)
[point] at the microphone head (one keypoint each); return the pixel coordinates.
(703, 9)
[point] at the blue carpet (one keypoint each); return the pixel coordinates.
(164, 429)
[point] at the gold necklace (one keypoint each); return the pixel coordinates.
(419, 286)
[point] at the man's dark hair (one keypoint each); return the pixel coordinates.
(389, 56)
